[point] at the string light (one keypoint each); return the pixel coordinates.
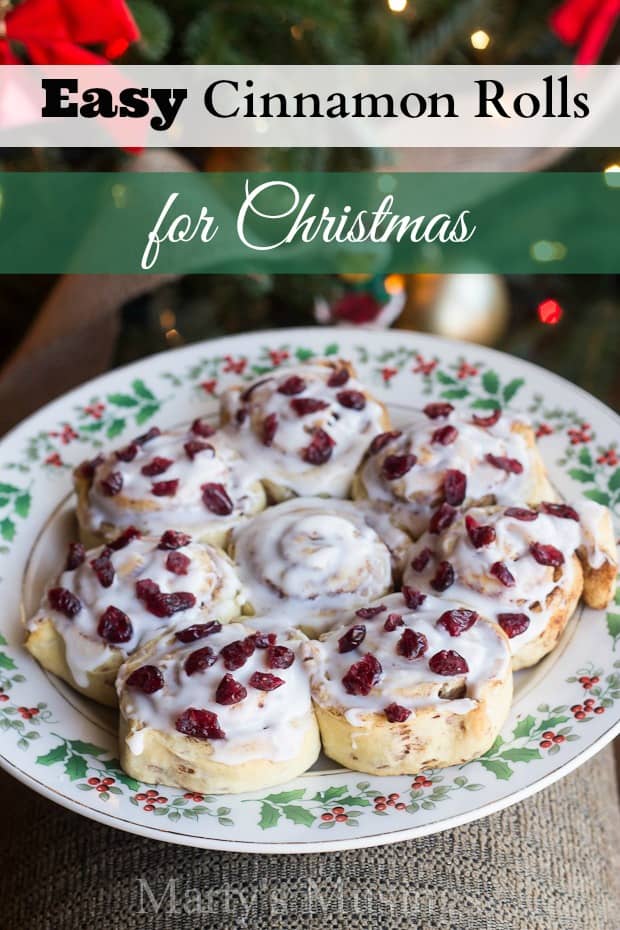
(612, 175)
(394, 284)
(480, 39)
(397, 6)
(550, 312)
(546, 251)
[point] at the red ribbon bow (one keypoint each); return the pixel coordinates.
(587, 22)
(53, 32)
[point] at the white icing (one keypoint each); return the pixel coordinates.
(261, 726)
(478, 588)
(407, 682)
(597, 532)
(420, 490)
(211, 578)
(311, 558)
(137, 505)
(282, 462)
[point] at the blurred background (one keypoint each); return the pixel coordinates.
(570, 324)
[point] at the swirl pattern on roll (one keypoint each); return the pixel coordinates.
(311, 558)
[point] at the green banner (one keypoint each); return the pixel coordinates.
(309, 223)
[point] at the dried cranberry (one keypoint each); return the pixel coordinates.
(201, 428)
(127, 453)
(512, 466)
(457, 621)
(363, 675)
(143, 438)
(178, 563)
(270, 425)
(199, 660)
(165, 488)
(145, 588)
(125, 538)
(480, 534)
(201, 724)
(237, 653)
(338, 378)
(395, 466)
(280, 657)
(381, 441)
(547, 555)
(147, 678)
(112, 485)
(421, 560)
(521, 513)
(305, 405)
(352, 400)
(172, 539)
(445, 435)
(353, 638)
(264, 681)
(198, 631)
(513, 624)
(264, 640)
(103, 568)
(393, 621)
(442, 518)
(156, 466)
(64, 601)
(165, 605)
(230, 691)
(367, 613)
(115, 626)
(448, 662)
(216, 499)
(503, 574)
(491, 420)
(454, 487)
(413, 598)
(87, 469)
(320, 449)
(396, 713)
(444, 577)
(194, 447)
(75, 556)
(292, 385)
(412, 644)
(438, 409)
(563, 511)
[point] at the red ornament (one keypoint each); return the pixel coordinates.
(550, 312)
(356, 307)
(55, 32)
(588, 23)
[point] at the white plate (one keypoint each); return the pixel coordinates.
(68, 743)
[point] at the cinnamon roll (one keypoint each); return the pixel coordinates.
(225, 712)
(519, 566)
(409, 684)
(304, 428)
(458, 458)
(310, 559)
(194, 480)
(108, 601)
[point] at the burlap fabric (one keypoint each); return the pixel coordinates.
(550, 863)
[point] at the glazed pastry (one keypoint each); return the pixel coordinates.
(109, 601)
(193, 480)
(408, 684)
(311, 559)
(305, 428)
(459, 458)
(225, 712)
(518, 566)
